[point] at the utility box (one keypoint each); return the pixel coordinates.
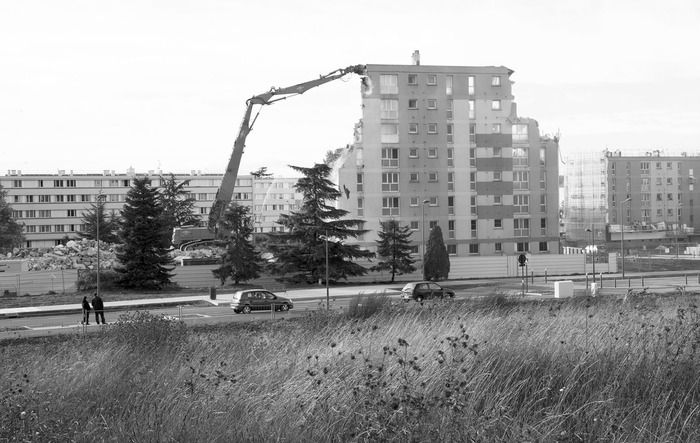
(563, 289)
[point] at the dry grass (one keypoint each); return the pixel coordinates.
(579, 370)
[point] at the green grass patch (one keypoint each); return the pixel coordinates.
(562, 370)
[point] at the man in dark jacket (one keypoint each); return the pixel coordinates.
(99, 307)
(86, 311)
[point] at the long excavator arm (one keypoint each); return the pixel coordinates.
(225, 192)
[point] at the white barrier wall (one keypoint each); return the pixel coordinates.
(41, 282)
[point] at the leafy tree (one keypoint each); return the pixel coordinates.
(241, 262)
(261, 172)
(394, 249)
(436, 260)
(109, 226)
(10, 231)
(143, 257)
(178, 206)
(300, 250)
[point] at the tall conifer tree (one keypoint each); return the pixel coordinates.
(394, 249)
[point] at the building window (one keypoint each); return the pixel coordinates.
(412, 79)
(29, 229)
(520, 156)
(71, 213)
(472, 226)
(44, 199)
(448, 84)
(433, 223)
(472, 204)
(498, 246)
(413, 177)
(473, 248)
(59, 228)
(497, 199)
(390, 109)
(495, 105)
(16, 183)
(470, 85)
(389, 84)
(450, 133)
(44, 228)
(522, 247)
(450, 181)
(360, 207)
(412, 103)
(432, 79)
(497, 152)
(432, 152)
(390, 133)
(521, 203)
(41, 183)
(644, 167)
(472, 109)
(450, 157)
(450, 109)
(498, 224)
(543, 203)
(390, 206)
(521, 227)
(433, 201)
(413, 225)
(70, 198)
(432, 128)
(451, 249)
(413, 152)
(543, 226)
(432, 177)
(543, 156)
(360, 182)
(521, 180)
(497, 176)
(58, 198)
(472, 181)
(413, 128)
(390, 182)
(70, 183)
(496, 80)
(30, 199)
(450, 205)
(390, 157)
(58, 183)
(432, 103)
(31, 213)
(450, 229)
(472, 133)
(413, 201)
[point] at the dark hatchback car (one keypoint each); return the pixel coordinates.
(425, 290)
(258, 300)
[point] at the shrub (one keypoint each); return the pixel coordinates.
(87, 279)
(147, 331)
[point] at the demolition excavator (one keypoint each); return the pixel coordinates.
(188, 236)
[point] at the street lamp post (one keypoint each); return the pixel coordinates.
(422, 229)
(100, 198)
(622, 235)
(592, 248)
(328, 297)
(678, 226)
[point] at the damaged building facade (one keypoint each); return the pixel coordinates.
(443, 145)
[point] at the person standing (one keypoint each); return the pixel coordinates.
(86, 312)
(99, 308)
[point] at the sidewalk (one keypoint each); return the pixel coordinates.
(221, 299)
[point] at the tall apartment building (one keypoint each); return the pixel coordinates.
(51, 206)
(585, 203)
(444, 145)
(652, 196)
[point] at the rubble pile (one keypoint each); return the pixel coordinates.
(82, 254)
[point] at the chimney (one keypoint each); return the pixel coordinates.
(416, 57)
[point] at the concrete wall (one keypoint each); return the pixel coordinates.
(41, 282)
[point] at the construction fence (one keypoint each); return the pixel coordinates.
(59, 281)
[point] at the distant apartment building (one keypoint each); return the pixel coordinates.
(443, 145)
(51, 206)
(651, 194)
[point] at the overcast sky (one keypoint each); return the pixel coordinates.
(93, 85)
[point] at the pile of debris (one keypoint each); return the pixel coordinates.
(82, 254)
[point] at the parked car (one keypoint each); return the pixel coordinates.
(425, 290)
(250, 300)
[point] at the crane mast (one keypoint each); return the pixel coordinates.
(225, 191)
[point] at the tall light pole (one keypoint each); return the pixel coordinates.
(678, 225)
(622, 235)
(100, 209)
(422, 229)
(328, 297)
(592, 248)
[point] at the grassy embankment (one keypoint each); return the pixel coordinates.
(574, 370)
